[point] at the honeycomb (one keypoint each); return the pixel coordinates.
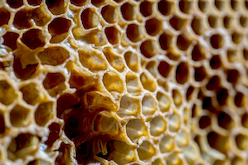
(160, 82)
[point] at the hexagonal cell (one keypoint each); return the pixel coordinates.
(133, 83)
(78, 2)
(4, 16)
(152, 68)
(225, 121)
(149, 48)
(233, 76)
(109, 13)
(198, 53)
(174, 122)
(135, 128)
(129, 106)
(53, 79)
(66, 101)
(59, 28)
(214, 83)
(227, 21)
(89, 18)
(134, 32)
(165, 40)
(239, 99)
(92, 60)
(241, 141)
(182, 73)
(54, 55)
(148, 81)
(204, 122)
(173, 159)
(157, 126)
(197, 25)
(31, 93)
(113, 82)
(153, 26)
(54, 132)
(20, 116)
(44, 113)
(165, 7)
(203, 5)
(164, 69)
(243, 20)
(177, 22)
(217, 41)
(34, 2)
(237, 37)
(222, 96)
(112, 34)
(15, 3)
(146, 8)
(200, 73)
(182, 139)
(164, 102)
(132, 60)
(127, 11)
(7, 93)
(10, 39)
(219, 4)
(183, 41)
(56, 7)
(177, 97)
(149, 104)
(2, 124)
(166, 144)
(186, 6)
(23, 145)
(146, 151)
(213, 21)
(39, 161)
(115, 60)
(33, 38)
(40, 16)
(218, 141)
(215, 62)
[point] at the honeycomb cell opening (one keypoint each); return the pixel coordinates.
(186, 6)
(112, 34)
(34, 2)
(19, 116)
(127, 11)
(157, 126)
(33, 38)
(217, 41)
(148, 48)
(4, 16)
(146, 8)
(165, 7)
(165, 40)
(15, 3)
(56, 7)
(153, 26)
(89, 19)
(109, 13)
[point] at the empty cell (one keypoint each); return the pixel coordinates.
(56, 7)
(54, 55)
(59, 28)
(177, 97)
(149, 104)
(153, 26)
(227, 21)
(22, 19)
(133, 83)
(189, 93)
(4, 16)
(20, 116)
(164, 69)
(112, 82)
(40, 16)
(234, 5)
(182, 139)
(177, 22)
(78, 2)
(2, 124)
(165, 7)
(54, 134)
(219, 4)
(109, 13)
(198, 53)
(115, 60)
(200, 73)
(204, 122)
(243, 20)
(157, 126)
(239, 99)
(174, 122)
(44, 113)
(112, 34)
(215, 62)
(237, 37)
(30, 93)
(98, 3)
(89, 18)
(134, 32)
(217, 41)
(72, 126)
(15, 3)
(129, 106)
(34, 2)
(213, 21)
(132, 60)
(148, 81)
(225, 121)
(166, 144)
(183, 42)
(222, 96)
(233, 75)
(164, 102)
(146, 151)
(241, 141)
(7, 93)
(148, 48)
(127, 11)
(146, 8)
(214, 83)
(197, 25)
(182, 73)
(135, 128)
(10, 39)
(165, 40)
(173, 159)
(218, 141)
(203, 5)
(186, 6)
(152, 68)
(52, 80)
(33, 38)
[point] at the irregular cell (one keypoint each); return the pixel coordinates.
(215, 62)
(149, 48)
(44, 113)
(233, 76)
(52, 80)
(204, 122)
(113, 82)
(165, 7)
(213, 21)
(4, 16)
(165, 41)
(151, 67)
(227, 21)
(164, 102)
(40, 16)
(133, 83)
(157, 126)
(164, 69)
(56, 7)
(174, 122)
(166, 144)
(213, 83)
(98, 3)
(222, 96)
(34, 2)
(182, 139)
(20, 116)
(218, 141)
(127, 11)
(153, 26)
(146, 151)
(237, 37)
(129, 106)
(149, 104)
(64, 154)
(186, 6)
(54, 55)
(200, 73)
(198, 53)
(241, 141)
(183, 42)
(219, 4)
(33, 38)
(30, 93)
(203, 5)
(66, 101)
(133, 32)
(217, 41)
(92, 60)
(72, 126)
(225, 121)
(132, 61)
(15, 3)
(115, 60)
(146, 8)
(10, 39)
(243, 20)
(7, 93)
(177, 23)
(239, 99)
(109, 13)
(22, 19)
(182, 73)
(54, 131)
(112, 34)
(89, 18)
(59, 28)
(78, 2)
(135, 128)
(148, 81)
(197, 25)
(2, 124)
(173, 159)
